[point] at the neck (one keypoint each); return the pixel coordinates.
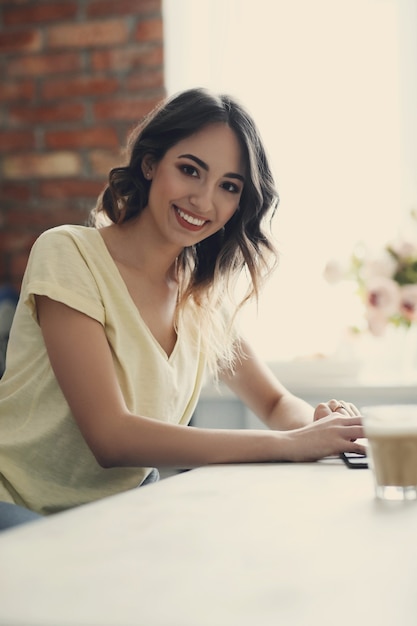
(129, 245)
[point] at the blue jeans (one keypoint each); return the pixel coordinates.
(13, 515)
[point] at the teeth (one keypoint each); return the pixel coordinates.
(191, 220)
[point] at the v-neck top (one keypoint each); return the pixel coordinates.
(45, 462)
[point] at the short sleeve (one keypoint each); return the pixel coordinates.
(58, 268)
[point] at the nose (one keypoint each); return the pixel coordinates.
(202, 199)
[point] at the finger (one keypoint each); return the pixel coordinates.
(352, 420)
(359, 448)
(348, 407)
(340, 407)
(333, 404)
(353, 432)
(353, 409)
(322, 410)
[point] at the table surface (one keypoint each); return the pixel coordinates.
(239, 545)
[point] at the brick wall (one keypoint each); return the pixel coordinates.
(76, 75)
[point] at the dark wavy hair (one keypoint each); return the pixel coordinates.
(245, 242)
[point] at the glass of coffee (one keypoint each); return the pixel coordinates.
(391, 431)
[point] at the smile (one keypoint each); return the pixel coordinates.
(193, 221)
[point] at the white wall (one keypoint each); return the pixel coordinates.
(332, 85)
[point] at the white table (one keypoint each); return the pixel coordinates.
(240, 545)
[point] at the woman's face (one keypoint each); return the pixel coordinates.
(196, 187)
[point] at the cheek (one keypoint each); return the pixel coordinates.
(171, 185)
(229, 207)
(161, 190)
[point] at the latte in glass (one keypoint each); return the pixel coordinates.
(391, 431)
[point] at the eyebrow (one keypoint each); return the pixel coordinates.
(205, 167)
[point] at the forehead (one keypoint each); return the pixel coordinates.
(215, 144)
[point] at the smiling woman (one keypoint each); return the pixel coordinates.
(201, 189)
(333, 85)
(205, 181)
(117, 325)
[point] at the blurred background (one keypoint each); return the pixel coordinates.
(332, 85)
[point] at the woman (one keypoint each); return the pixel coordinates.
(117, 323)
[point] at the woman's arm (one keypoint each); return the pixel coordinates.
(82, 362)
(81, 359)
(279, 409)
(260, 390)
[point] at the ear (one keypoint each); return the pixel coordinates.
(148, 162)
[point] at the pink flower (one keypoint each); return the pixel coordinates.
(386, 280)
(408, 302)
(377, 322)
(334, 272)
(384, 266)
(405, 249)
(382, 300)
(382, 294)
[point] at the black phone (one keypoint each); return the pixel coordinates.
(354, 460)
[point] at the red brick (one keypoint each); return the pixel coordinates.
(16, 282)
(40, 189)
(16, 140)
(149, 30)
(18, 265)
(27, 41)
(132, 109)
(3, 237)
(71, 189)
(101, 8)
(15, 248)
(44, 12)
(34, 165)
(96, 137)
(4, 278)
(45, 218)
(43, 64)
(88, 35)
(17, 90)
(70, 112)
(15, 191)
(127, 58)
(142, 80)
(103, 161)
(80, 86)
(15, 243)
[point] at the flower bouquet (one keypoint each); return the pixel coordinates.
(386, 282)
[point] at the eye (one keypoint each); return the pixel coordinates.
(230, 187)
(189, 170)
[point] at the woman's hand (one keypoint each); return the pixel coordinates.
(335, 406)
(335, 429)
